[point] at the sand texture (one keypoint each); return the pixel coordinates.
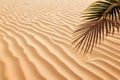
(35, 43)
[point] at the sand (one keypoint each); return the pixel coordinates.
(35, 43)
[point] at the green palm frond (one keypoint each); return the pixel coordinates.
(107, 8)
(103, 19)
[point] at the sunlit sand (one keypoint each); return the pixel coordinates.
(35, 43)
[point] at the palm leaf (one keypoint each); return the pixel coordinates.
(103, 18)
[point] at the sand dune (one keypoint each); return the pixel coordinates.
(35, 43)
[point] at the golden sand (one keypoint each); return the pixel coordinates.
(35, 43)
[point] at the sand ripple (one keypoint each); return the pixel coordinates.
(35, 43)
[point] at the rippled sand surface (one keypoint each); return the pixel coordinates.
(35, 43)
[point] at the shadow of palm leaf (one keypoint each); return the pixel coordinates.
(103, 19)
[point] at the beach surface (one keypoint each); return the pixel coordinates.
(35, 43)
